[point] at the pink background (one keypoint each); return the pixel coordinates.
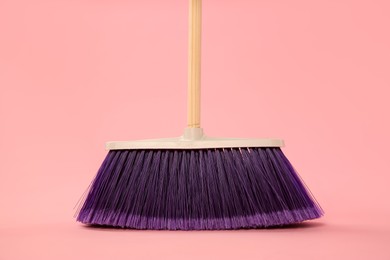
(75, 74)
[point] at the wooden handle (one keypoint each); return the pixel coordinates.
(194, 55)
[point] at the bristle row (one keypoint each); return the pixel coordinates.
(197, 189)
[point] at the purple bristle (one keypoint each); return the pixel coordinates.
(197, 189)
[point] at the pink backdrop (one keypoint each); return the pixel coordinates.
(75, 74)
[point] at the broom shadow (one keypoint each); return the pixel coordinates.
(296, 226)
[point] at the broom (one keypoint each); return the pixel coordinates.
(195, 182)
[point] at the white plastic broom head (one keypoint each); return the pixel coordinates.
(194, 138)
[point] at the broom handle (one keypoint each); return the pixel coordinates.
(194, 55)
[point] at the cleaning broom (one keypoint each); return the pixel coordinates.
(195, 182)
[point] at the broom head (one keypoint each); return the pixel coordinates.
(194, 183)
